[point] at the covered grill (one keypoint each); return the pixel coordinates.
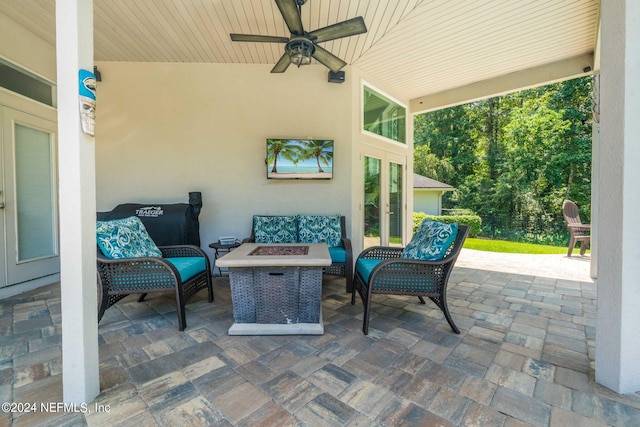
(167, 224)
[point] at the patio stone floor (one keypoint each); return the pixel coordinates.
(524, 357)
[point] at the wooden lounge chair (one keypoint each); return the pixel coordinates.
(578, 231)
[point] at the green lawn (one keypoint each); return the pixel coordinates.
(513, 247)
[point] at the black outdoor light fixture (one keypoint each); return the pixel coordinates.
(96, 73)
(300, 51)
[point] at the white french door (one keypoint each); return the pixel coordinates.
(384, 199)
(28, 198)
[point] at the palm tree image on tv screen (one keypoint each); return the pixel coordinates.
(299, 158)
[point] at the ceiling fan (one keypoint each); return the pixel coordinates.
(301, 46)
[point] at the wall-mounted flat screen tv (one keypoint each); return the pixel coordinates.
(299, 158)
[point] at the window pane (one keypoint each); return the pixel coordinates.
(34, 193)
(395, 204)
(371, 202)
(23, 83)
(384, 117)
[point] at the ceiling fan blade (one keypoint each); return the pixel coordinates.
(347, 28)
(328, 59)
(257, 38)
(289, 11)
(282, 64)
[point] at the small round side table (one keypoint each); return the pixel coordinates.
(220, 250)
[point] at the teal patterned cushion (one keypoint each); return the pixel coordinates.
(431, 241)
(275, 229)
(125, 238)
(320, 229)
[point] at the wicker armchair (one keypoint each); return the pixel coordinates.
(402, 276)
(578, 232)
(118, 278)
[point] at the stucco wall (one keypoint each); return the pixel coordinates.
(22, 47)
(163, 130)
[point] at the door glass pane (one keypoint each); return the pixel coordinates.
(395, 204)
(34, 193)
(371, 202)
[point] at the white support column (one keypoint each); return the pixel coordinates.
(76, 160)
(618, 319)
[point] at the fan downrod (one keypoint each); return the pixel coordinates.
(300, 3)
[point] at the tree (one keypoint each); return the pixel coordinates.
(428, 164)
(532, 137)
(320, 150)
(447, 134)
(516, 156)
(285, 148)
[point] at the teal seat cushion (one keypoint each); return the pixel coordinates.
(275, 229)
(320, 229)
(188, 266)
(338, 254)
(364, 267)
(431, 241)
(125, 238)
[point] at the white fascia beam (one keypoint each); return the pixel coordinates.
(519, 80)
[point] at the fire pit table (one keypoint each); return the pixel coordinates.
(276, 289)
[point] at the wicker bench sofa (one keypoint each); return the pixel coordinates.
(329, 229)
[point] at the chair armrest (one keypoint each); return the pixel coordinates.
(153, 260)
(346, 244)
(132, 269)
(414, 262)
(580, 226)
(381, 252)
(179, 251)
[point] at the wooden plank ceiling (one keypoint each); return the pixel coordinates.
(413, 47)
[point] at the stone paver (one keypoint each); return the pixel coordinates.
(525, 356)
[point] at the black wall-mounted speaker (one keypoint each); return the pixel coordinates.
(337, 77)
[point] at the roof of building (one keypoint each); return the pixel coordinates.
(420, 181)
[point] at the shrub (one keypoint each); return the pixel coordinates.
(473, 221)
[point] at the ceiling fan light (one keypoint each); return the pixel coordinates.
(300, 51)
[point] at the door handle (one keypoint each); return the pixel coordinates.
(389, 213)
(1, 205)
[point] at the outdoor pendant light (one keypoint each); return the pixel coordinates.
(300, 51)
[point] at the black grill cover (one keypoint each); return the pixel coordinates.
(167, 224)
